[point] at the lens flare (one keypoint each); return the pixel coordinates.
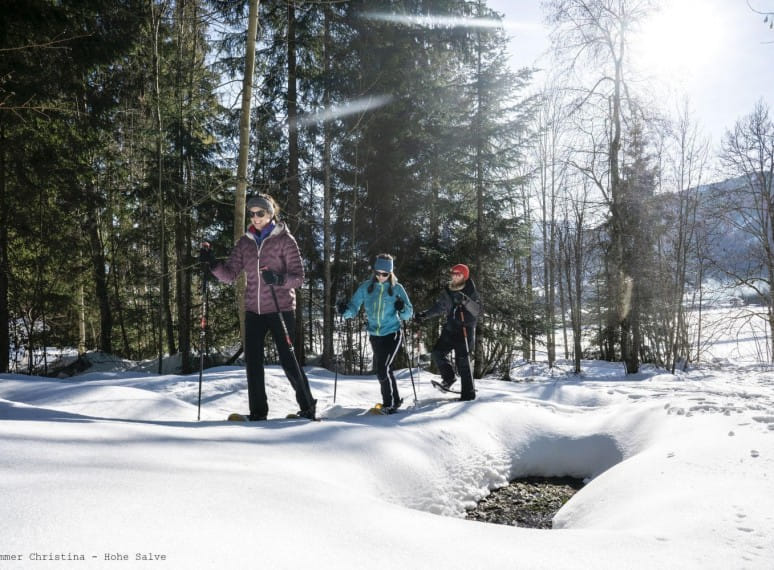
(346, 109)
(431, 21)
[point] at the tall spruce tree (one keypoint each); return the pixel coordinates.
(494, 149)
(57, 79)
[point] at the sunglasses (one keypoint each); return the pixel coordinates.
(256, 213)
(381, 274)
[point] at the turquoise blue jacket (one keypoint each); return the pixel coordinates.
(379, 305)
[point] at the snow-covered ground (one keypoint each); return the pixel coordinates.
(114, 468)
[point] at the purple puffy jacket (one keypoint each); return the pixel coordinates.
(278, 252)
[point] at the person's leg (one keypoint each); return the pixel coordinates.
(384, 349)
(395, 340)
(440, 356)
(462, 358)
(255, 332)
(290, 365)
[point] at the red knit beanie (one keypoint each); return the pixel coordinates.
(460, 268)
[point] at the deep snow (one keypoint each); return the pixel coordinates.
(109, 465)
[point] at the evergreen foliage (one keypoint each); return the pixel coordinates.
(378, 127)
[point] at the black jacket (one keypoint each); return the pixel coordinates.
(469, 309)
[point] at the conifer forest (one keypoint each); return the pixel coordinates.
(131, 131)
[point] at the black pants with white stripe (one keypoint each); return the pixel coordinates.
(385, 348)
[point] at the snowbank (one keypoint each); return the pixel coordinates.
(115, 464)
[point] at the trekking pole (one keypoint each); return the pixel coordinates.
(411, 362)
(467, 346)
(336, 358)
(414, 340)
(203, 333)
(291, 347)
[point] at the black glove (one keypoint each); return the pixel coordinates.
(341, 307)
(458, 298)
(207, 257)
(420, 317)
(272, 278)
(399, 304)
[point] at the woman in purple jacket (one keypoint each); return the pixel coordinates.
(269, 256)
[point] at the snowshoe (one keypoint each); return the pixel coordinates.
(382, 410)
(443, 387)
(243, 418)
(304, 415)
(308, 414)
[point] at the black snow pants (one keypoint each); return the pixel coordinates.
(256, 327)
(455, 340)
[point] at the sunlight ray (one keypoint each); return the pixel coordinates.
(350, 108)
(435, 21)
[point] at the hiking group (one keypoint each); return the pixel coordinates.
(269, 257)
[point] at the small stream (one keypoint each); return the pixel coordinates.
(529, 502)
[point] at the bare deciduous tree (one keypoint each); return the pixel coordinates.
(748, 153)
(597, 32)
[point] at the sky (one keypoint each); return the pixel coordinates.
(714, 52)
(111, 469)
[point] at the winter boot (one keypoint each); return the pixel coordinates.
(308, 413)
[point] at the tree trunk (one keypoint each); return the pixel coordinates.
(5, 314)
(240, 198)
(185, 22)
(327, 353)
(577, 324)
(82, 320)
(625, 288)
(563, 266)
(549, 281)
(294, 187)
(100, 283)
(183, 290)
(478, 262)
(164, 314)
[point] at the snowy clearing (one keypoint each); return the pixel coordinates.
(113, 468)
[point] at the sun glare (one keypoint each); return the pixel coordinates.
(431, 21)
(679, 41)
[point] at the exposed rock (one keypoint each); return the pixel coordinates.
(530, 502)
